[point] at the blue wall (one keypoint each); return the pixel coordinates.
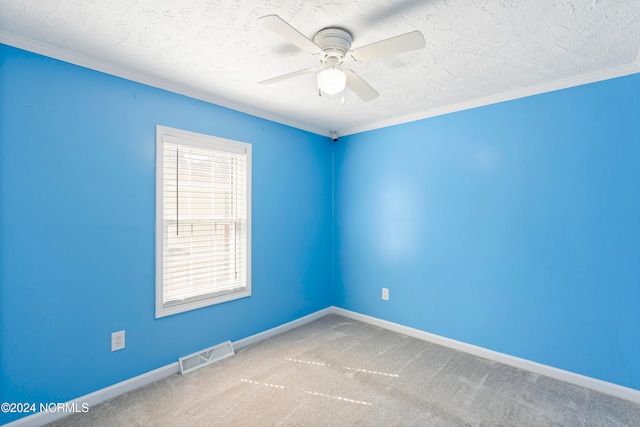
(514, 227)
(77, 212)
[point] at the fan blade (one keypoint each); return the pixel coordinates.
(286, 31)
(404, 43)
(286, 76)
(359, 86)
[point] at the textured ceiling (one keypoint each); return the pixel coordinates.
(216, 50)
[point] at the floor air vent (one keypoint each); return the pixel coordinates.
(204, 357)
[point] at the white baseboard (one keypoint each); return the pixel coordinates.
(580, 380)
(99, 396)
(110, 392)
(282, 328)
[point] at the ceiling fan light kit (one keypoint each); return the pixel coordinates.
(333, 46)
(332, 81)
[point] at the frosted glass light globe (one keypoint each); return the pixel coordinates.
(331, 81)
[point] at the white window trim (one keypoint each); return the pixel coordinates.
(205, 141)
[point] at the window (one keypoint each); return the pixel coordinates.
(203, 220)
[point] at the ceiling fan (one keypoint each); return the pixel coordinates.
(333, 46)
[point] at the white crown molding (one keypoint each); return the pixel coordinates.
(147, 79)
(582, 79)
(96, 64)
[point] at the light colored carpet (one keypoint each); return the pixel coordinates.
(340, 372)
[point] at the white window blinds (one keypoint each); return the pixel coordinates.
(205, 221)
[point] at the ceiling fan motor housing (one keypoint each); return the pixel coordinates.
(334, 42)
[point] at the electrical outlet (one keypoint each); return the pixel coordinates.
(385, 294)
(117, 341)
